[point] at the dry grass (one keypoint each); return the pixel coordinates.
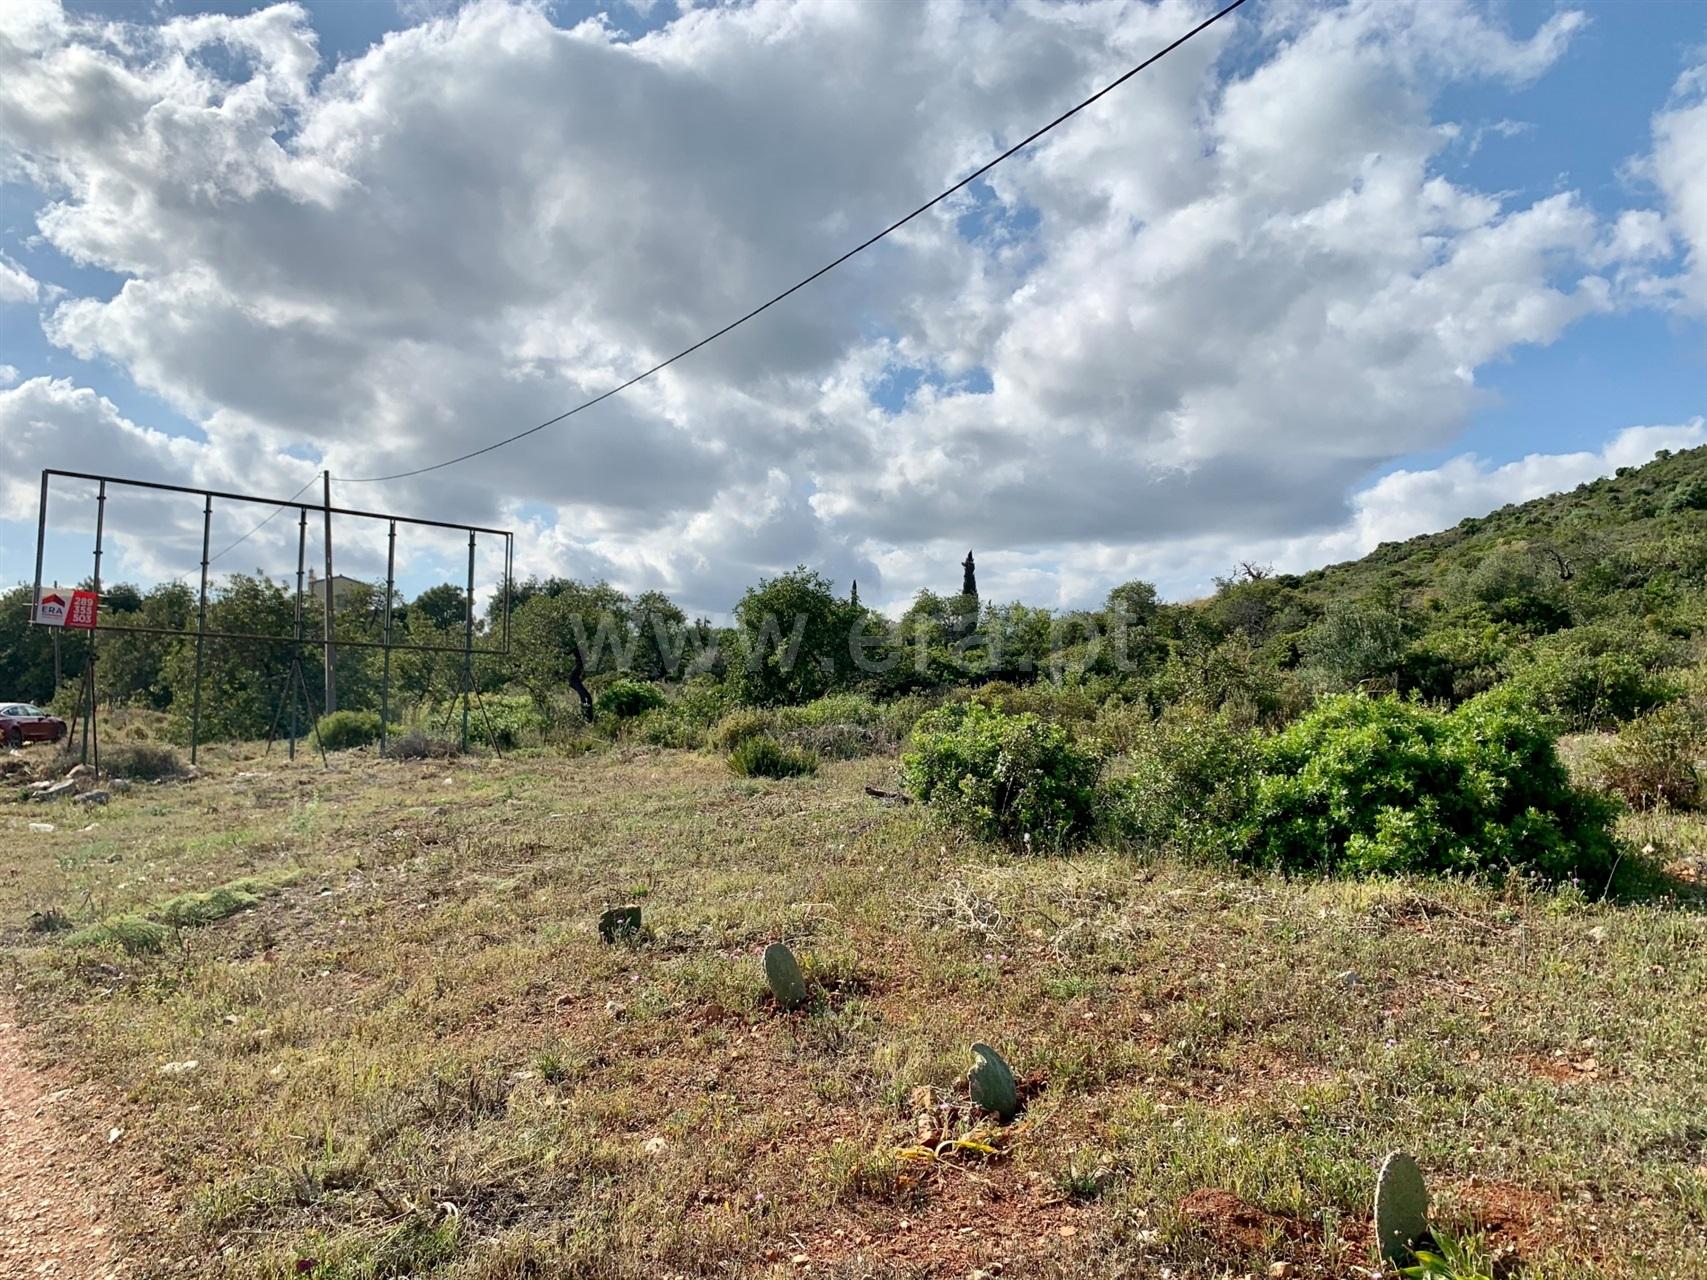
(415, 1057)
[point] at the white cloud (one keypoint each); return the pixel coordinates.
(16, 284)
(1203, 310)
(1406, 503)
(1678, 167)
(8, 374)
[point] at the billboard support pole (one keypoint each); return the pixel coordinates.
(41, 542)
(385, 675)
(468, 644)
(92, 729)
(296, 649)
(330, 701)
(201, 633)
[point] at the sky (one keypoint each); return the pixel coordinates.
(1329, 274)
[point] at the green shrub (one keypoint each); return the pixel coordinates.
(741, 724)
(1595, 677)
(625, 699)
(143, 762)
(702, 701)
(1380, 785)
(1689, 495)
(501, 720)
(418, 745)
(664, 727)
(1012, 777)
(343, 730)
(131, 934)
(1123, 728)
(190, 910)
(842, 726)
(834, 708)
(1658, 758)
(764, 757)
(1187, 785)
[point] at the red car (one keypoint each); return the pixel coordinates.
(21, 723)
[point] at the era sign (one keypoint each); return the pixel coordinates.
(51, 609)
(84, 606)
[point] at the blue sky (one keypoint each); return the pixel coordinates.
(975, 383)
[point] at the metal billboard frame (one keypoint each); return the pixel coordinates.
(327, 643)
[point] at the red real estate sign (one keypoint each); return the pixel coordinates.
(84, 606)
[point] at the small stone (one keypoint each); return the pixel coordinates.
(94, 797)
(656, 1146)
(179, 1068)
(42, 828)
(1598, 933)
(1279, 1270)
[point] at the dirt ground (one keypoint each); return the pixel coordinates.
(51, 1222)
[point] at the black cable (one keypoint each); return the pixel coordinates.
(276, 510)
(824, 270)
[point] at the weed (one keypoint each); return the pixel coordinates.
(764, 757)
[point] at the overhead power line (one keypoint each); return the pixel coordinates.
(821, 271)
(264, 523)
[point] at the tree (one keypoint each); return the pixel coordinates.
(794, 639)
(444, 606)
(241, 679)
(1356, 641)
(661, 639)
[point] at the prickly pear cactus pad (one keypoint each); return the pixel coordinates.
(783, 976)
(619, 922)
(992, 1083)
(1401, 1207)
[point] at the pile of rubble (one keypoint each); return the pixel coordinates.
(80, 783)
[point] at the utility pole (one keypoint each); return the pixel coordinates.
(331, 652)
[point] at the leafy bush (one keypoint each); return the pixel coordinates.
(343, 730)
(1188, 782)
(1355, 641)
(1003, 776)
(418, 745)
(625, 699)
(843, 726)
(1457, 662)
(738, 726)
(143, 762)
(1657, 759)
(504, 721)
(664, 727)
(1380, 785)
(764, 757)
(132, 934)
(1689, 495)
(1595, 678)
(702, 702)
(834, 708)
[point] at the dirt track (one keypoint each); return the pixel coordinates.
(50, 1219)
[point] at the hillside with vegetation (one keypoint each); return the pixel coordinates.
(1403, 853)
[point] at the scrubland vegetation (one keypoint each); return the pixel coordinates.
(1405, 852)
